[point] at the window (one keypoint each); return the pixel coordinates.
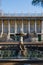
(25, 26)
(12, 27)
(38, 26)
(32, 26)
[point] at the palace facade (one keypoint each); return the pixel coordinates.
(11, 24)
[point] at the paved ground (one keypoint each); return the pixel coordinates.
(17, 64)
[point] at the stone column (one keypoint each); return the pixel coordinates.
(15, 27)
(21, 31)
(29, 26)
(2, 29)
(15, 30)
(42, 31)
(35, 26)
(22, 25)
(8, 30)
(36, 36)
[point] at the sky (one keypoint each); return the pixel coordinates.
(19, 6)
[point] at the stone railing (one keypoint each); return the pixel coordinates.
(22, 14)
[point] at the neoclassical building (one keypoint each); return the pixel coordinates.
(12, 23)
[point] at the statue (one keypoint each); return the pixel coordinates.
(21, 45)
